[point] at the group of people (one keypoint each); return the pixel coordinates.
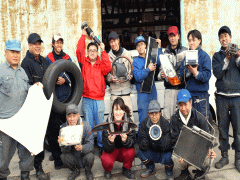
(185, 104)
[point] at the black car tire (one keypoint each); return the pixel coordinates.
(50, 78)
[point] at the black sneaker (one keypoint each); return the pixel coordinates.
(51, 158)
(74, 174)
(41, 175)
(185, 175)
(58, 164)
(89, 175)
(107, 175)
(198, 174)
(128, 173)
(25, 175)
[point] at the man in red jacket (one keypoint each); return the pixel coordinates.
(93, 71)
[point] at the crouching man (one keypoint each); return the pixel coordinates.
(189, 116)
(81, 155)
(155, 149)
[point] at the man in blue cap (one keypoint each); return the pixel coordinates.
(189, 116)
(140, 73)
(13, 91)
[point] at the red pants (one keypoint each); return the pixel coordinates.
(124, 155)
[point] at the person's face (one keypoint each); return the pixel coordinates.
(114, 44)
(225, 39)
(193, 42)
(173, 39)
(118, 113)
(92, 53)
(141, 46)
(13, 57)
(155, 116)
(72, 119)
(185, 108)
(35, 48)
(57, 46)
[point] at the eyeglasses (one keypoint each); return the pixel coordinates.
(92, 51)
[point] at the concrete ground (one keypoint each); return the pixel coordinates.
(229, 172)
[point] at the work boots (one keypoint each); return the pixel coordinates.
(169, 172)
(25, 175)
(75, 173)
(223, 161)
(88, 173)
(150, 168)
(128, 173)
(40, 173)
(237, 160)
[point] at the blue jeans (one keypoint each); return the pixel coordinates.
(156, 157)
(201, 106)
(93, 111)
(228, 110)
(143, 102)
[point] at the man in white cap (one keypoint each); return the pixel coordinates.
(13, 91)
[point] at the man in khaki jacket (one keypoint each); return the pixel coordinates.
(119, 89)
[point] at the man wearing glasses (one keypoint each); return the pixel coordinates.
(93, 71)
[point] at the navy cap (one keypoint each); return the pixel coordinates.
(139, 39)
(34, 37)
(113, 35)
(224, 29)
(72, 108)
(154, 106)
(14, 45)
(183, 96)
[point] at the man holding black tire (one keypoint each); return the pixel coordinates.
(35, 67)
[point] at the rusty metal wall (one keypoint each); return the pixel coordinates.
(19, 18)
(208, 16)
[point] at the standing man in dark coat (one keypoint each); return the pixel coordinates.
(35, 66)
(227, 71)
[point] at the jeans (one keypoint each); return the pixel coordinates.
(156, 157)
(8, 147)
(201, 105)
(228, 110)
(93, 112)
(143, 101)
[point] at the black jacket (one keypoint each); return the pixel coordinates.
(34, 68)
(109, 147)
(196, 119)
(228, 79)
(161, 145)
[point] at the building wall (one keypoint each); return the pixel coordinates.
(208, 16)
(19, 18)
